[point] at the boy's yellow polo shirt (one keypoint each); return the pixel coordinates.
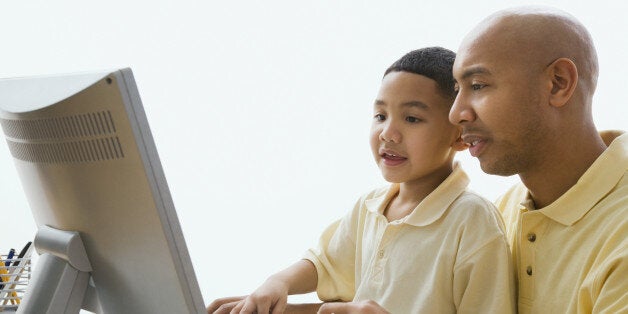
(572, 255)
(449, 255)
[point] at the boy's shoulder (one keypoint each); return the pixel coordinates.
(474, 200)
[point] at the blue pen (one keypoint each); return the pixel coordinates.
(7, 262)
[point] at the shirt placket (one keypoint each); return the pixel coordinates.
(389, 232)
(532, 223)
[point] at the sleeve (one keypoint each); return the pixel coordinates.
(334, 259)
(609, 291)
(484, 280)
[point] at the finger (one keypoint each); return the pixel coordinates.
(251, 305)
(212, 307)
(334, 307)
(280, 306)
(238, 307)
(225, 308)
(262, 307)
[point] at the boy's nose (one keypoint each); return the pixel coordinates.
(390, 133)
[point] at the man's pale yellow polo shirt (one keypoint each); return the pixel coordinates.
(449, 255)
(572, 255)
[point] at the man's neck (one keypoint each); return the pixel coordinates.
(561, 169)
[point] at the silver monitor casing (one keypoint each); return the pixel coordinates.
(88, 163)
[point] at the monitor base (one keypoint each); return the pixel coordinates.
(61, 279)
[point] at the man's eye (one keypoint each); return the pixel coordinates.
(413, 119)
(477, 86)
(380, 117)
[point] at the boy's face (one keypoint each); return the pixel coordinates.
(411, 137)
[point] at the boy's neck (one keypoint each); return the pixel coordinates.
(411, 193)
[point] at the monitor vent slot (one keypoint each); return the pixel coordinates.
(88, 124)
(88, 137)
(100, 149)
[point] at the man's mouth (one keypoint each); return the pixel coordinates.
(476, 144)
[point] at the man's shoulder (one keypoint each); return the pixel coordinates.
(512, 199)
(614, 205)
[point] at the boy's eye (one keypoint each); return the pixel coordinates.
(413, 119)
(380, 117)
(477, 86)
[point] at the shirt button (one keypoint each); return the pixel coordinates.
(531, 237)
(529, 270)
(380, 254)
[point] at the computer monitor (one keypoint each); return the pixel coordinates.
(88, 164)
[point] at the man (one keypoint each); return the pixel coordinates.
(525, 79)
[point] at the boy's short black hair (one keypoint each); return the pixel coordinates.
(433, 62)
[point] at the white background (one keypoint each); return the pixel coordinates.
(260, 109)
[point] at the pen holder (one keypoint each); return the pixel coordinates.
(15, 274)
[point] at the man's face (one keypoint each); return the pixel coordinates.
(499, 105)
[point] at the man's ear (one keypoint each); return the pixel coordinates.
(564, 79)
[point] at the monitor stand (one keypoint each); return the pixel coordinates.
(61, 281)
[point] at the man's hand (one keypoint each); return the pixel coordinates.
(362, 307)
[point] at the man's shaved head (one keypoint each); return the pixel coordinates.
(525, 78)
(536, 36)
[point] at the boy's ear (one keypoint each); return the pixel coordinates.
(564, 79)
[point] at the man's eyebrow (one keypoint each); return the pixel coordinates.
(416, 104)
(474, 71)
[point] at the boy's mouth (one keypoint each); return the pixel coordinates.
(391, 158)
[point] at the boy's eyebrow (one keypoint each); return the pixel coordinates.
(416, 104)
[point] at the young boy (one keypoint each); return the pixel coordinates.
(424, 244)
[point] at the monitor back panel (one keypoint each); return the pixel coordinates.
(88, 163)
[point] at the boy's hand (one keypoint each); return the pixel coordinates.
(362, 307)
(223, 305)
(270, 297)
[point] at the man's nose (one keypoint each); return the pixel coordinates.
(461, 111)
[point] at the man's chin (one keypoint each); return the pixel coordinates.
(497, 168)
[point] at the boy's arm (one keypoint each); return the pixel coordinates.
(361, 307)
(484, 281)
(272, 295)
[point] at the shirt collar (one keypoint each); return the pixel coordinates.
(433, 206)
(595, 183)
